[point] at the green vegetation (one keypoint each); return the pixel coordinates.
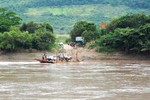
(62, 38)
(32, 27)
(43, 40)
(129, 33)
(39, 3)
(29, 36)
(15, 40)
(130, 20)
(84, 29)
(63, 14)
(8, 19)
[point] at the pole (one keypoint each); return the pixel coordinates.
(77, 56)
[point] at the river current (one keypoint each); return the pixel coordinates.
(88, 80)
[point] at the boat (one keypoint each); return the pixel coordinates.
(60, 56)
(54, 59)
(45, 61)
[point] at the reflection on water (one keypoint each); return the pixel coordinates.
(101, 80)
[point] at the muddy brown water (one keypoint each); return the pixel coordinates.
(88, 80)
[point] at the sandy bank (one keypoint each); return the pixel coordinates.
(83, 54)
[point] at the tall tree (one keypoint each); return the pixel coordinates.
(8, 19)
(129, 20)
(82, 28)
(32, 27)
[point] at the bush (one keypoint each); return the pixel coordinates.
(8, 19)
(32, 27)
(16, 40)
(126, 39)
(128, 21)
(104, 49)
(92, 45)
(43, 40)
(85, 29)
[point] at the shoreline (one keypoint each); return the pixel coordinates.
(87, 55)
(83, 55)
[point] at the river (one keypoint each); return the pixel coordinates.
(88, 80)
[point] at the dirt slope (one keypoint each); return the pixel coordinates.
(83, 54)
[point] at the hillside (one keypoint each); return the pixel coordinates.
(62, 14)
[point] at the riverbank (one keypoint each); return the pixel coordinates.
(83, 54)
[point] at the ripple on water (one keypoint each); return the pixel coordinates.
(73, 81)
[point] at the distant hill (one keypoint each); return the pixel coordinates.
(62, 14)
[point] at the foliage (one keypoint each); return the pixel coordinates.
(84, 29)
(92, 35)
(92, 45)
(39, 3)
(128, 40)
(31, 27)
(63, 14)
(43, 40)
(15, 40)
(62, 38)
(129, 20)
(115, 39)
(104, 49)
(128, 33)
(8, 19)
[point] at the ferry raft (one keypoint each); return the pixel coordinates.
(60, 56)
(54, 59)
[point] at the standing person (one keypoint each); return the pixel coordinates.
(77, 59)
(61, 52)
(44, 57)
(61, 45)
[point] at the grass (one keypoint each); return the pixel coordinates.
(62, 38)
(63, 18)
(104, 49)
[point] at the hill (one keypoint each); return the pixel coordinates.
(62, 14)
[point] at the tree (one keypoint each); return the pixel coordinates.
(90, 35)
(128, 33)
(129, 20)
(7, 43)
(127, 39)
(82, 28)
(15, 40)
(45, 27)
(43, 40)
(32, 27)
(8, 19)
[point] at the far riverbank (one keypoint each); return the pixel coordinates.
(83, 54)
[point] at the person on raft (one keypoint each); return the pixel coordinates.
(44, 57)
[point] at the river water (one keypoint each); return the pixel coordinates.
(88, 80)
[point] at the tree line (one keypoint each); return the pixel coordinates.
(15, 36)
(129, 33)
